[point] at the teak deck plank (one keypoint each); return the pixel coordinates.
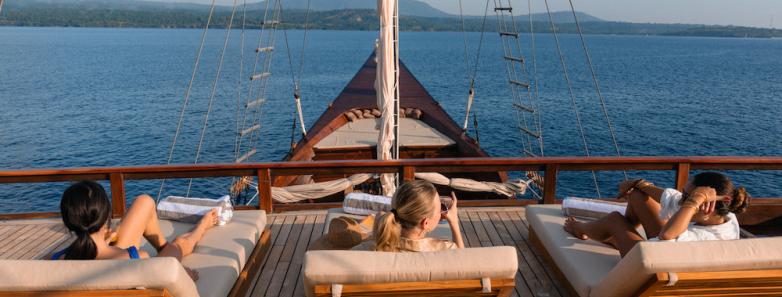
(267, 271)
(518, 220)
(57, 234)
(295, 232)
(44, 233)
(292, 233)
(15, 238)
(279, 276)
(318, 229)
(292, 276)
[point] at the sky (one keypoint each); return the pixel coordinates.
(753, 13)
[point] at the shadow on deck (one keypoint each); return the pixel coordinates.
(293, 232)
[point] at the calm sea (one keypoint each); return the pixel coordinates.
(108, 97)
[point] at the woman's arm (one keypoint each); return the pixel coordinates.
(641, 185)
(453, 221)
(682, 218)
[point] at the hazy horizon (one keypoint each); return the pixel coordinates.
(756, 13)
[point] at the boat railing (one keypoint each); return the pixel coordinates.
(406, 168)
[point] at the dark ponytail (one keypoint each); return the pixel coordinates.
(85, 209)
(724, 187)
(740, 200)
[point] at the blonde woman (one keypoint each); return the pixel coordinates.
(415, 212)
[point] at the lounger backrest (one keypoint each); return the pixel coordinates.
(362, 267)
(649, 258)
(44, 275)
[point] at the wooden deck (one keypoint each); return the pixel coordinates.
(31, 239)
(292, 233)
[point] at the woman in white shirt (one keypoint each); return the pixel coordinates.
(705, 211)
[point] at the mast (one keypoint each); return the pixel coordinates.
(387, 88)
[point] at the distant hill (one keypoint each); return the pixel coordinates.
(406, 7)
(145, 14)
(560, 17)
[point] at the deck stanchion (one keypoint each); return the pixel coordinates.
(682, 174)
(408, 173)
(265, 189)
(117, 182)
(550, 184)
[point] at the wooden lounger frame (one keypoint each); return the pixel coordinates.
(240, 288)
(763, 282)
(499, 287)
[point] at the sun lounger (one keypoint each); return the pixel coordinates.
(225, 258)
(464, 272)
(706, 268)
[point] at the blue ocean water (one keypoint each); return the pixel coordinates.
(75, 97)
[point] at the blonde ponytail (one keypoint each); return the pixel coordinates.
(388, 233)
(412, 203)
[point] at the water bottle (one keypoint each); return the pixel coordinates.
(226, 212)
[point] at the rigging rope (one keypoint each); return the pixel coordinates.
(535, 77)
(241, 77)
(214, 92)
(570, 90)
(187, 93)
(297, 75)
(597, 84)
(472, 72)
(241, 74)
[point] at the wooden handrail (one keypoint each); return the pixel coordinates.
(265, 172)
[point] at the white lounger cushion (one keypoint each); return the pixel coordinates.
(595, 269)
(219, 257)
(46, 275)
(221, 254)
(648, 258)
(583, 262)
(362, 267)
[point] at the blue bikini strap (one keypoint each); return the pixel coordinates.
(133, 252)
(59, 254)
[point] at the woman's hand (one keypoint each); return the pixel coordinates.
(452, 216)
(706, 199)
(627, 187)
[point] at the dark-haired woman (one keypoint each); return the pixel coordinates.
(86, 212)
(705, 211)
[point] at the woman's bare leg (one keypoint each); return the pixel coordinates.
(599, 230)
(613, 229)
(140, 220)
(184, 244)
(643, 210)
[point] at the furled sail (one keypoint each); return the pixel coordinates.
(509, 189)
(385, 85)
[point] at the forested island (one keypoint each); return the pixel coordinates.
(141, 14)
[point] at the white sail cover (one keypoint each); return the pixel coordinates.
(384, 87)
(317, 190)
(506, 189)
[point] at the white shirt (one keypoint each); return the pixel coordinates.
(670, 203)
